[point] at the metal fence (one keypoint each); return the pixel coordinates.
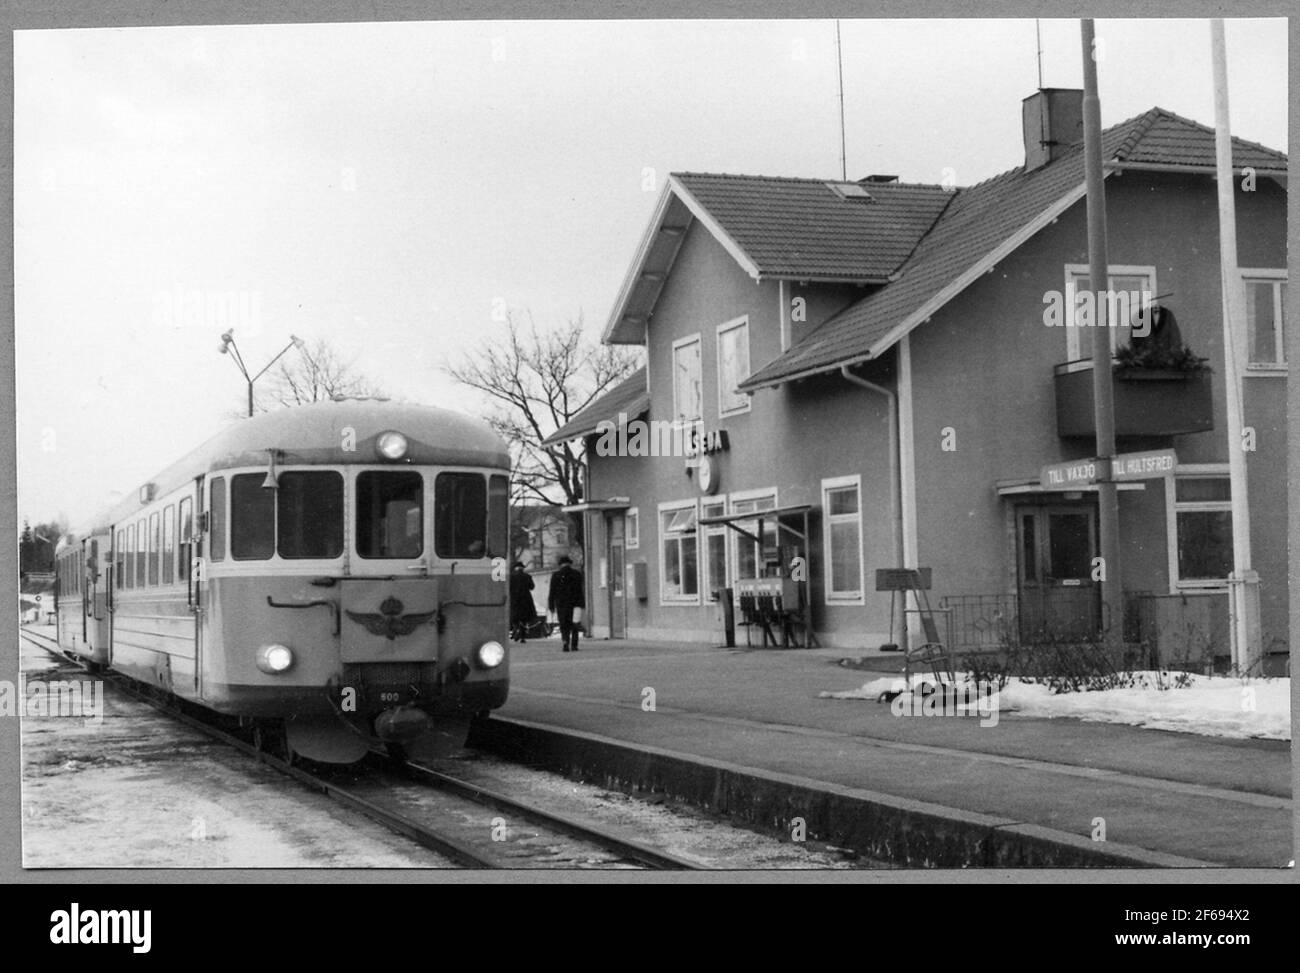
(1176, 628)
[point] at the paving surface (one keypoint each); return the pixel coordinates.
(1219, 801)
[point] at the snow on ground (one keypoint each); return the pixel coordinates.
(1209, 705)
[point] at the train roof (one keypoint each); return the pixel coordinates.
(333, 433)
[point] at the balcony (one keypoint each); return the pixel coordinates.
(1148, 402)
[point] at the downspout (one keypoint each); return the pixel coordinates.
(895, 487)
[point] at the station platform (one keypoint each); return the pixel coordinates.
(745, 732)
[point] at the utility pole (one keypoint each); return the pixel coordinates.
(1243, 584)
(1103, 393)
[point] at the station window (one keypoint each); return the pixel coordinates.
(119, 559)
(155, 548)
(679, 554)
(842, 506)
(688, 391)
(460, 515)
(309, 514)
(390, 514)
(169, 544)
(733, 366)
(498, 516)
(185, 533)
(1202, 530)
(252, 517)
(750, 555)
(632, 533)
(715, 549)
(1132, 288)
(1265, 312)
(217, 518)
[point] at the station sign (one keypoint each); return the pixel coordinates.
(902, 579)
(1124, 466)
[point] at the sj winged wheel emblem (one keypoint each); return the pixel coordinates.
(390, 622)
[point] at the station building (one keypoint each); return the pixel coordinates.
(881, 362)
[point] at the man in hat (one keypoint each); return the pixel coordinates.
(522, 610)
(564, 596)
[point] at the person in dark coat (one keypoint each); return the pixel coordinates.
(522, 610)
(566, 594)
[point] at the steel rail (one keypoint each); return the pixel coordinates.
(400, 823)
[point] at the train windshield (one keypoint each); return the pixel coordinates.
(302, 518)
(470, 515)
(390, 514)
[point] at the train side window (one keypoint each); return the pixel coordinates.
(154, 545)
(185, 533)
(169, 544)
(128, 579)
(252, 518)
(141, 552)
(460, 515)
(498, 516)
(309, 515)
(217, 518)
(390, 514)
(119, 559)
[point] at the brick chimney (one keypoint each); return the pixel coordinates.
(1053, 121)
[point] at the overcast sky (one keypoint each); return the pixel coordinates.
(382, 185)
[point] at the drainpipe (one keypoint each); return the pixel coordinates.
(895, 488)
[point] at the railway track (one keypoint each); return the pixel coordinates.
(368, 796)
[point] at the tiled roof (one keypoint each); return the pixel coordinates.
(803, 228)
(628, 397)
(979, 221)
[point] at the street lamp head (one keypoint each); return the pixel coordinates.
(226, 339)
(297, 342)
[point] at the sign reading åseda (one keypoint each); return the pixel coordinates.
(1125, 466)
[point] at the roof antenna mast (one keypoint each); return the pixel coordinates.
(1038, 36)
(839, 58)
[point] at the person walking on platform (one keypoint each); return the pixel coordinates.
(522, 610)
(567, 599)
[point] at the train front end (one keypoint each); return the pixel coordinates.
(359, 595)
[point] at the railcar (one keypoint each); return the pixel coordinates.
(333, 575)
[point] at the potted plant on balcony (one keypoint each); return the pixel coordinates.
(1159, 354)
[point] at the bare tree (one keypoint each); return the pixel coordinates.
(540, 380)
(317, 373)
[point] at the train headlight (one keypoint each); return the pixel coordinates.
(274, 658)
(391, 445)
(491, 654)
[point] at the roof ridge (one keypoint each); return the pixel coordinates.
(811, 180)
(1141, 125)
(1237, 139)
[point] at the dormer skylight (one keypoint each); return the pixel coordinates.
(849, 190)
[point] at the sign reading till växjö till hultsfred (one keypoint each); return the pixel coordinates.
(1124, 466)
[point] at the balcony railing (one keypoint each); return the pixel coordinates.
(1148, 402)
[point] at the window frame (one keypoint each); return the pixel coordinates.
(680, 343)
(1276, 276)
(632, 529)
(744, 496)
(1173, 507)
(747, 402)
(708, 583)
(1074, 348)
(829, 596)
(343, 513)
(674, 506)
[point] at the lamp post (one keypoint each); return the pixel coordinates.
(228, 347)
